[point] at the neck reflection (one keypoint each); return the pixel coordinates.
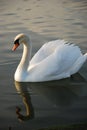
(22, 90)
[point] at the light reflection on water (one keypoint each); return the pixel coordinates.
(43, 21)
(62, 19)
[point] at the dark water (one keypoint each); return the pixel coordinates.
(50, 103)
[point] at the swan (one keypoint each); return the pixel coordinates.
(55, 60)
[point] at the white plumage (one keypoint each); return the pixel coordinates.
(53, 61)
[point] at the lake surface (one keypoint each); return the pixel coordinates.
(50, 103)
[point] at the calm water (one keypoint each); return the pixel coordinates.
(50, 103)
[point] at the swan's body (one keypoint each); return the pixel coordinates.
(54, 60)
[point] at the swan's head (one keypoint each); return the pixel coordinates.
(19, 39)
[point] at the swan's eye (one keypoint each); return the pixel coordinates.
(16, 44)
(16, 41)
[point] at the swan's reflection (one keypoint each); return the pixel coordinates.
(22, 90)
(62, 94)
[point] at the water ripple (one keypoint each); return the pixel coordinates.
(7, 62)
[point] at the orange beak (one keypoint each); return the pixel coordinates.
(15, 46)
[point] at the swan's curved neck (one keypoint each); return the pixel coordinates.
(24, 63)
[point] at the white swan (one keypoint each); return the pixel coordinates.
(54, 60)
